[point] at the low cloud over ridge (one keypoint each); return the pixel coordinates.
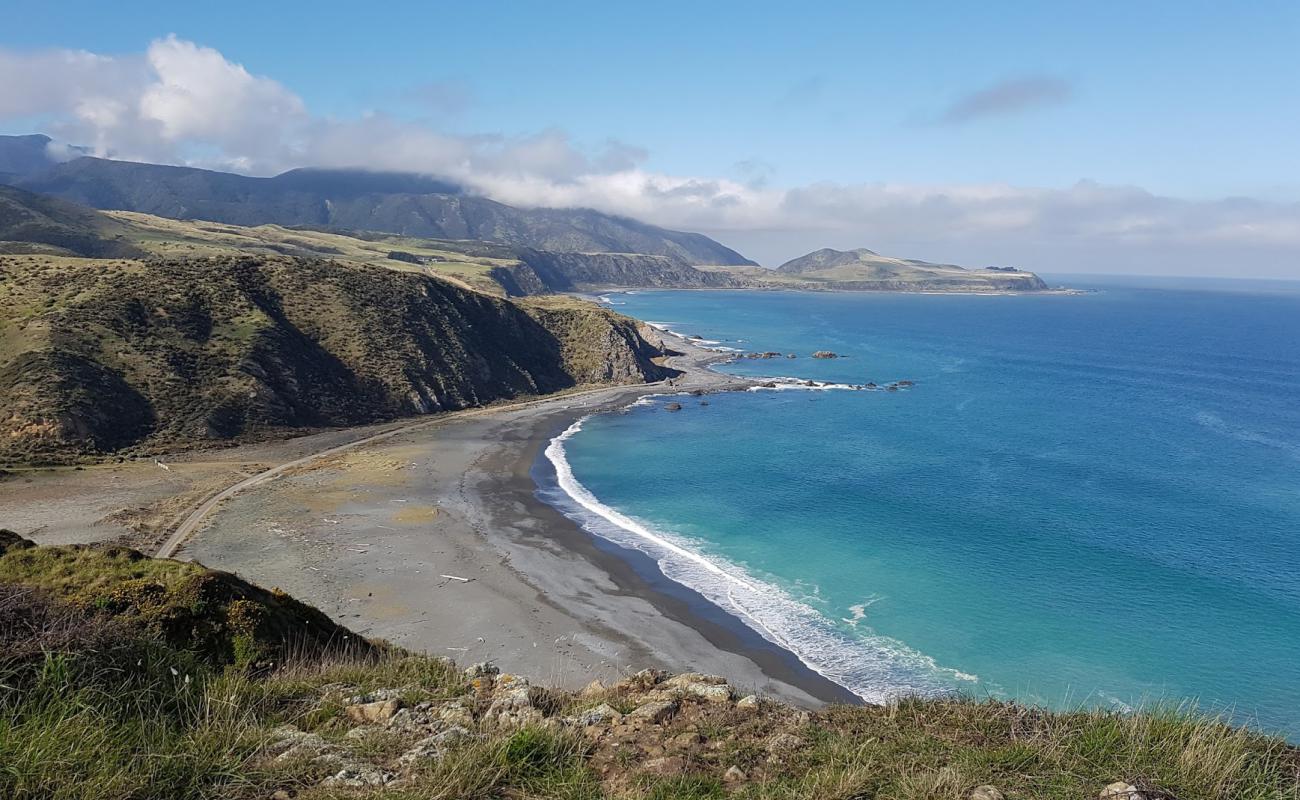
(180, 102)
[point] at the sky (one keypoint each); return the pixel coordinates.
(1143, 138)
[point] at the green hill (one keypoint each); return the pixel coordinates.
(97, 356)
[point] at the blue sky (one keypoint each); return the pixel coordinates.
(1193, 101)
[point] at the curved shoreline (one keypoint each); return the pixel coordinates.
(872, 670)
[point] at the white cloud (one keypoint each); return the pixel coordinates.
(179, 102)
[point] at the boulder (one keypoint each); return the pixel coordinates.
(825, 354)
(673, 407)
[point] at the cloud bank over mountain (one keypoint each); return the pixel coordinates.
(183, 103)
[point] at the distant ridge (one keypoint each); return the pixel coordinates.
(400, 203)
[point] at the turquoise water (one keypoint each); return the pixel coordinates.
(1085, 499)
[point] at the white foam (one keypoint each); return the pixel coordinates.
(876, 668)
(791, 384)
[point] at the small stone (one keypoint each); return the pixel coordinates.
(734, 774)
(380, 711)
(985, 792)
(685, 741)
(592, 689)
(1120, 790)
(655, 711)
(281, 794)
(664, 767)
(748, 703)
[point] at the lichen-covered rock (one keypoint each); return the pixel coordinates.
(708, 692)
(603, 714)
(358, 775)
(481, 669)
(456, 713)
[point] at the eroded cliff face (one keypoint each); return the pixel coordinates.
(103, 356)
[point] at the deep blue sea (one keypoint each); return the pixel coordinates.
(1085, 500)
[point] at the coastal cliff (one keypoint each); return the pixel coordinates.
(103, 356)
(123, 676)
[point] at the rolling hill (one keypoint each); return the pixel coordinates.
(33, 223)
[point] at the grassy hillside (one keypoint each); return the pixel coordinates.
(95, 705)
(100, 356)
(407, 205)
(32, 223)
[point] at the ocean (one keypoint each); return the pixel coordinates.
(1088, 500)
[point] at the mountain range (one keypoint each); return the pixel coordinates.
(399, 203)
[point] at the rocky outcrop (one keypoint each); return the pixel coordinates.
(649, 724)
